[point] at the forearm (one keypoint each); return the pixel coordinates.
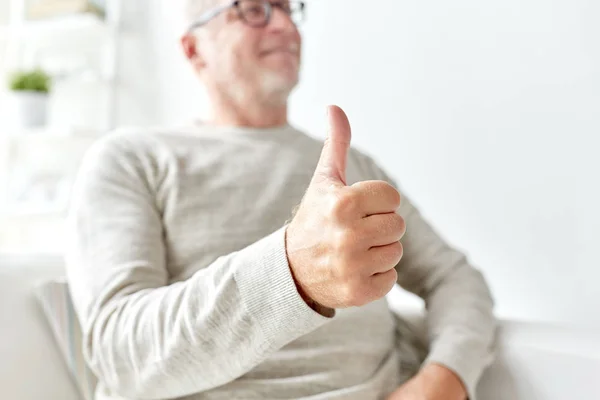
(461, 325)
(192, 336)
(461, 330)
(460, 319)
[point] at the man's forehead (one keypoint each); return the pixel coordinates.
(200, 6)
(193, 9)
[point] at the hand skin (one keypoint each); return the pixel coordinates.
(433, 382)
(344, 241)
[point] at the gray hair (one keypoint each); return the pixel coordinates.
(192, 9)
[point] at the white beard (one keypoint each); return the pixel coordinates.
(272, 88)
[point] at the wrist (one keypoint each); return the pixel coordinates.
(315, 306)
(324, 311)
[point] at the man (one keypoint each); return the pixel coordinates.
(193, 279)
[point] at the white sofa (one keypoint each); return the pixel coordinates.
(535, 361)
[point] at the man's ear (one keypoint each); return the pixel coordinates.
(189, 44)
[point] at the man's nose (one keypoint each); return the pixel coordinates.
(281, 21)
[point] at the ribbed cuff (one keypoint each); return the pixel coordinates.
(269, 292)
(467, 361)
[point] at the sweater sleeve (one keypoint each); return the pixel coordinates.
(460, 319)
(145, 338)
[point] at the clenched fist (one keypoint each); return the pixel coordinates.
(344, 241)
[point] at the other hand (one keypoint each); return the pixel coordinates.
(433, 382)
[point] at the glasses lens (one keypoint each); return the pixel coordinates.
(254, 12)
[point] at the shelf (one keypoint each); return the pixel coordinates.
(53, 133)
(64, 26)
(86, 77)
(19, 212)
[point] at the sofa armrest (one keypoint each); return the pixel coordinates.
(534, 361)
(31, 366)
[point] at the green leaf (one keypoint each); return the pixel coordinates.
(35, 81)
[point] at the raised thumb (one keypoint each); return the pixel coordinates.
(332, 164)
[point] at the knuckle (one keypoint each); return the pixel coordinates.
(384, 284)
(399, 252)
(357, 293)
(343, 241)
(399, 224)
(386, 190)
(391, 254)
(343, 204)
(395, 198)
(392, 222)
(396, 252)
(390, 281)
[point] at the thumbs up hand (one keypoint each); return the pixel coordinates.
(344, 241)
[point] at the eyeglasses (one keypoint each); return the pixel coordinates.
(256, 13)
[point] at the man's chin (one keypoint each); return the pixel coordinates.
(279, 84)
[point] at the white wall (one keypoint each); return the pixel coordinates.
(488, 114)
(181, 96)
(139, 97)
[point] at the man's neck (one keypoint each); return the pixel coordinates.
(245, 109)
(252, 114)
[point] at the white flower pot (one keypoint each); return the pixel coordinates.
(30, 109)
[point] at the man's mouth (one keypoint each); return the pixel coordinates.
(293, 50)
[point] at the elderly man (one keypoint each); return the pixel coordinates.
(193, 278)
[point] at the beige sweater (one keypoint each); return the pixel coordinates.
(178, 271)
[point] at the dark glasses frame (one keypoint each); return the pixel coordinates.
(295, 6)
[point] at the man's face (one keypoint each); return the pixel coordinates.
(244, 60)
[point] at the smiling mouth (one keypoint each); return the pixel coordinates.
(291, 50)
(282, 51)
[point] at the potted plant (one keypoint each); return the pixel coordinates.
(30, 93)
